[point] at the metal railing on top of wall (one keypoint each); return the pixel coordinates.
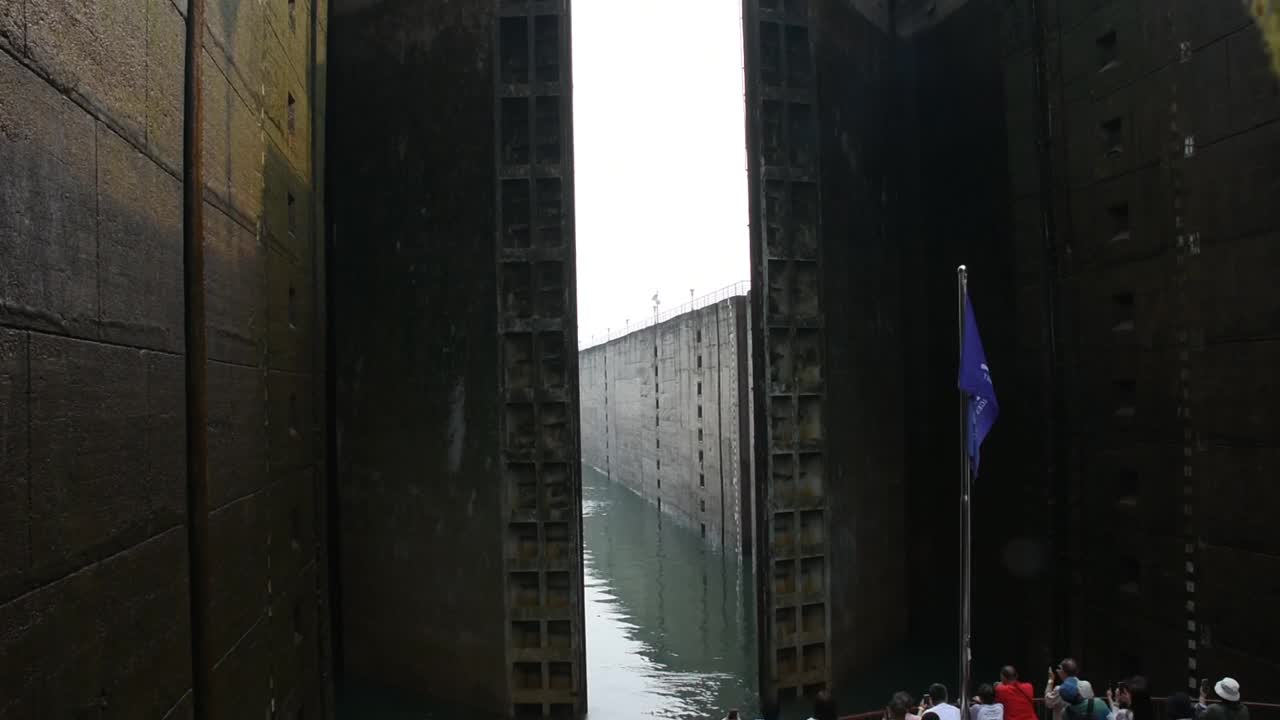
(742, 287)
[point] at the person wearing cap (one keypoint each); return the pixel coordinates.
(1228, 690)
(1062, 690)
(1089, 707)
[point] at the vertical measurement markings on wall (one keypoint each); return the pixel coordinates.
(1181, 150)
(538, 345)
(784, 164)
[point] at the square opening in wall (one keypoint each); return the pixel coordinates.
(804, 220)
(1119, 224)
(803, 136)
(813, 619)
(522, 487)
(554, 421)
(782, 423)
(559, 593)
(559, 635)
(777, 239)
(778, 292)
(559, 546)
(810, 489)
(560, 675)
(813, 575)
(1122, 313)
(527, 675)
(810, 422)
(772, 146)
(515, 131)
(1108, 51)
(783, 540)
(782, 478)
(1111, 133)
(551, 290)
(526, 635)
(807, 361)
(815, 658)
(551, 366)
(799, 63)
(786, 661)
(550, 213)
(558, 494)
(521, 432)
(781, 367)
(546, 131)
(546, 48)
(517, 361)
(804, 291)
(522, 588)
(515, 214)
(1124, 393)
(784, 577)
(517, 290)
(812, 532)
(513, 35)
(522, 542)
(784, 623)
(1128, 489)
(770, 54)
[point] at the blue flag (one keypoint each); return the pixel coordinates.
(975, 381)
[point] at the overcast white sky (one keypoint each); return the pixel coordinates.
(660, 155)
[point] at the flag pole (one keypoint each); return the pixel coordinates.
(966, 482)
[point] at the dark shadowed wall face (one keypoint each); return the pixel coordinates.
(1067, 153)
(94, 579)
(454, 350)
(416, 359)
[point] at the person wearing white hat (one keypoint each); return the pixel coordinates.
(1228, 689)
(1230, 708)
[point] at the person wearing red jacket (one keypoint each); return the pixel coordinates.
(1017, 697)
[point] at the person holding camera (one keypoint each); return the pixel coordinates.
(935, 701)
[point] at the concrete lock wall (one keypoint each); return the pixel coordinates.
(94, 575)
(664, 412)
(454, 353)
(1088, 162)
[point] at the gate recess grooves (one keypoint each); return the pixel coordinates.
(782, 159)
(537, 325)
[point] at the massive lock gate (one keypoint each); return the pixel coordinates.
(1107, 169)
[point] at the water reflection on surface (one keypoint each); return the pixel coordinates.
(670, 627)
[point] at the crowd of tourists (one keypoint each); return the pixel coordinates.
(1066, 695)
(1069, 697)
